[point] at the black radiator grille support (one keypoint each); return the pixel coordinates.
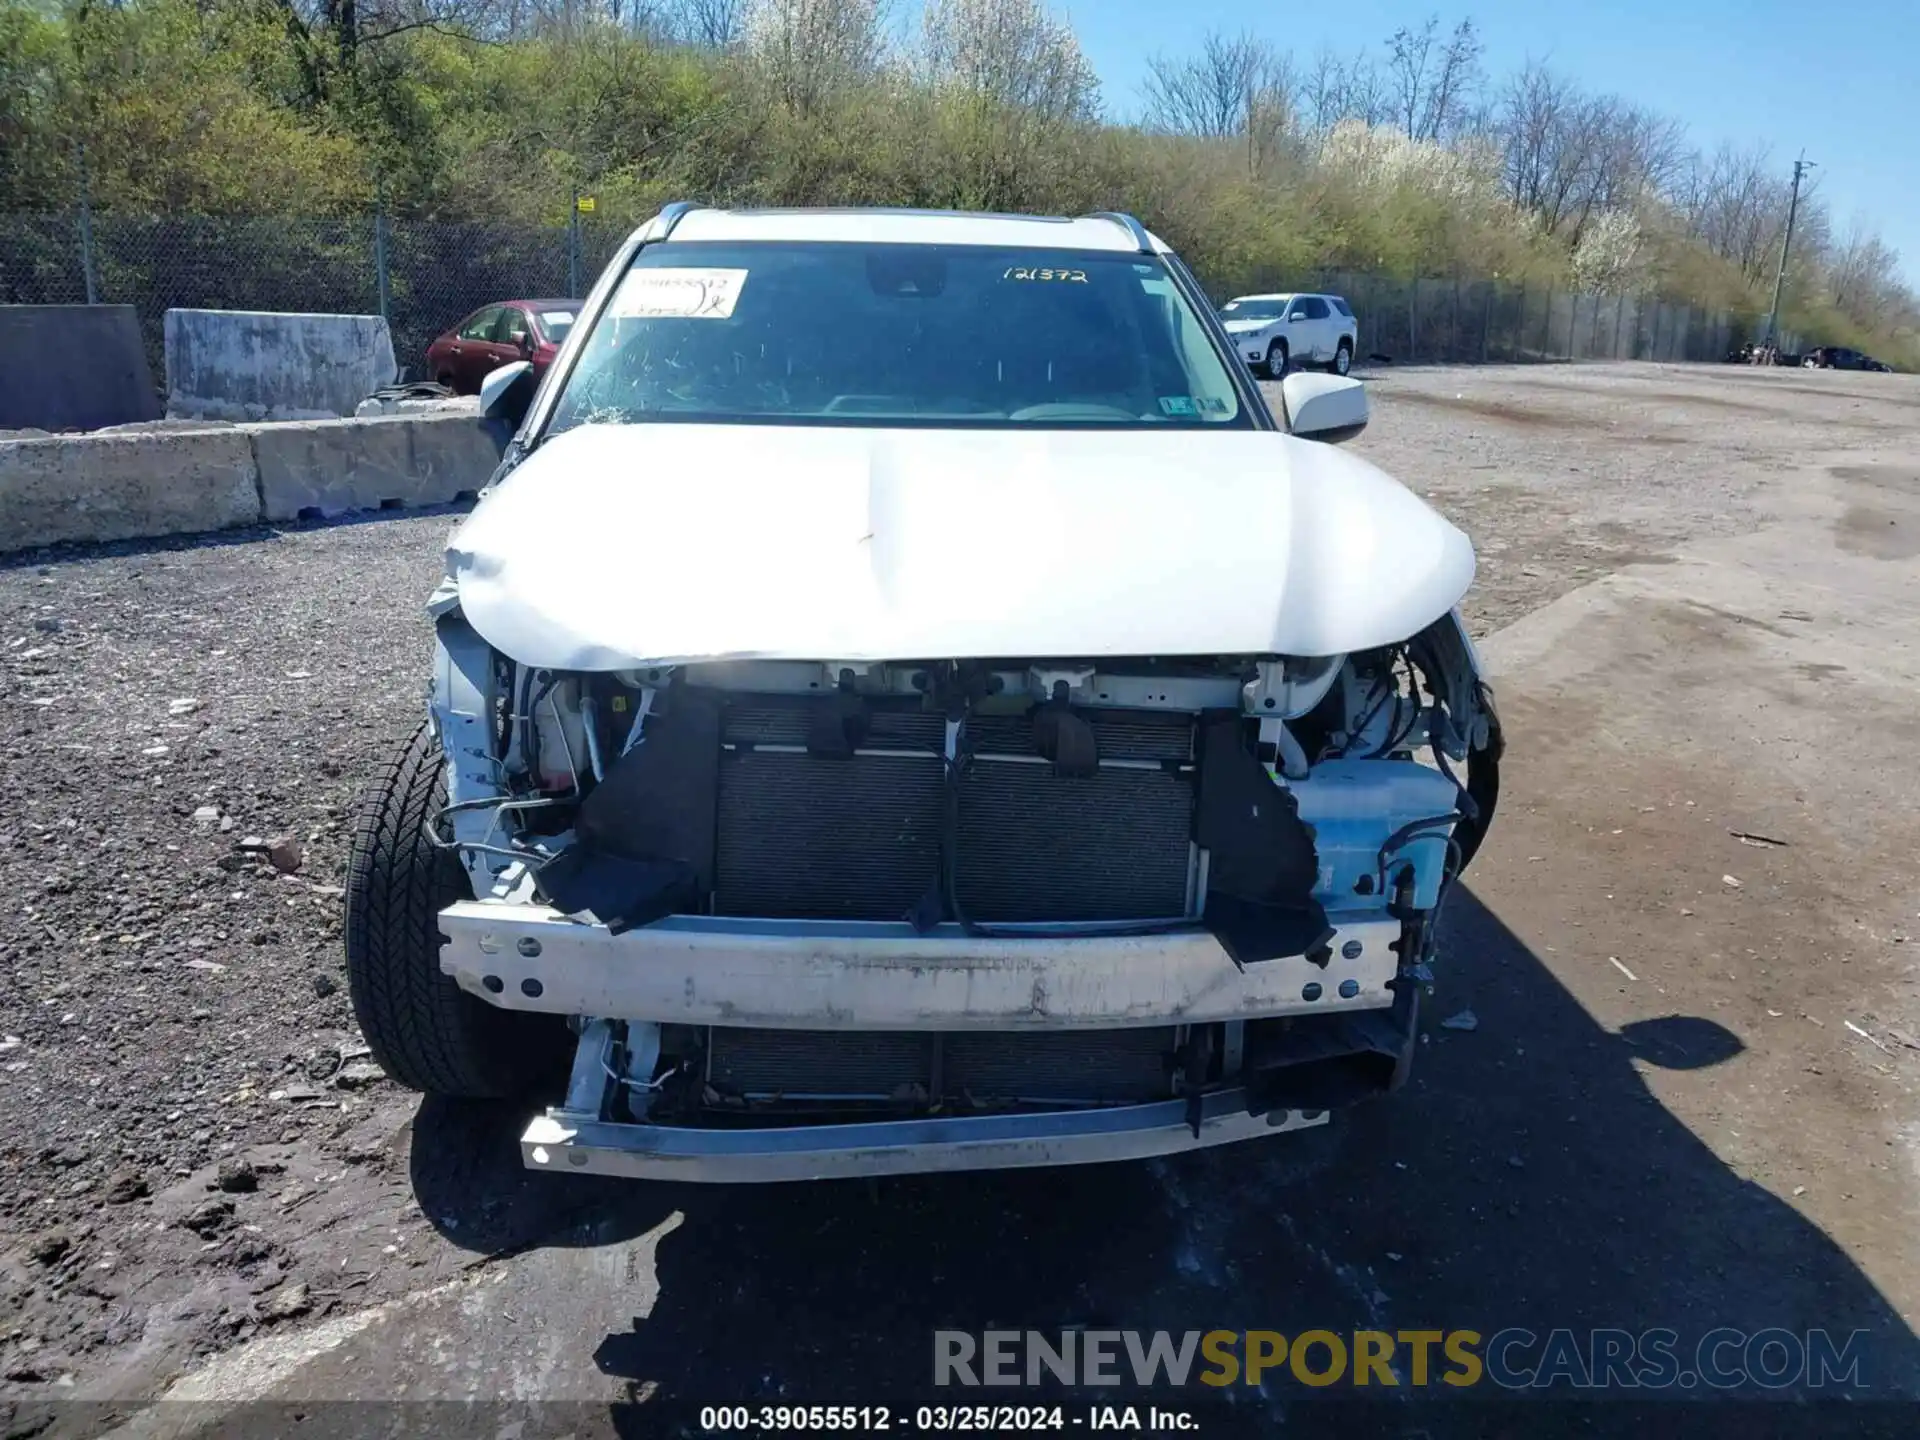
(1034, 846)
(806, 835)
(997, 1067)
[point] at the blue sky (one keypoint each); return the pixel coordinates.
(1784, 72)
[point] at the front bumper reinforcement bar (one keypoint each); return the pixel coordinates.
(898, 1147)
(820, 975)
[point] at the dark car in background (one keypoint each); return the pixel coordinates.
(497, 335)
(1840, 357)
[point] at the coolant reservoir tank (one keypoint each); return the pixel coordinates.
(1354, 806)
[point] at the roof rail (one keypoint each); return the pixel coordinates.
(1127, 223)
(671, 215)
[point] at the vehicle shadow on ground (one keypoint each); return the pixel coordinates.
(1525, 1178)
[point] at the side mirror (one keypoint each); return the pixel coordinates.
(1298, 315)
(507, 393)
(523, 342)
(1324, 407)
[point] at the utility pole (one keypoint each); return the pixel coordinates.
(86, 227)
(381, 280)
(573, 245)
(1800, 167)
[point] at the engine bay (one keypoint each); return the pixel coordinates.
(1249, 795)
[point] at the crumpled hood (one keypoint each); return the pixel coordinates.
(621, 546)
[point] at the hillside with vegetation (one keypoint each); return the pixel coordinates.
(1406, 158)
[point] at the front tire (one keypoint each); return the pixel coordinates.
(424, 1030)
(1277, 360)
(1342, 358)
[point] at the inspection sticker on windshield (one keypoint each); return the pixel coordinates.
(679, 293)
(1192, 405)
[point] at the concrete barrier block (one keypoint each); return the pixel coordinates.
(333, 467)
(262, 365)
(455, 453)
(73, 367)
(121, 487)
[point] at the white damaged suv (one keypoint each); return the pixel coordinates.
(905, 703)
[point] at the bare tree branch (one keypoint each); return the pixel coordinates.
(709, 24)
(1337, 90)
(1214, 93)
(1433, 80)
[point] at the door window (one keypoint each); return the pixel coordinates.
(511, 328)
(480, 324)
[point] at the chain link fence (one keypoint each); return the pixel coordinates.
(426, 275)
(1458, 321)
(423, 276)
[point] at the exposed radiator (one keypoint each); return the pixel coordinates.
(801, 837)
(1070, 1066)
(810, 836)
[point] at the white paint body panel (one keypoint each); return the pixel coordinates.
(1323, 404)
(624, 546)
(497, 382)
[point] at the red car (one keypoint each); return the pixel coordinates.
(497, 335)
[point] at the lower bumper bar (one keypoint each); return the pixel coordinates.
(898, 1147)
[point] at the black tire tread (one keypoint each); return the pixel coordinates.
(424, 1030)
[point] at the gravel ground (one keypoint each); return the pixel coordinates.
(198, 1148)
(170, 999)
(1562, 474)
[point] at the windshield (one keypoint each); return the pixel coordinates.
(555, 324)
(1254, 309)
(867, 334)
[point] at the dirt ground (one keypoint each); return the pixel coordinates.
(1688, 1101)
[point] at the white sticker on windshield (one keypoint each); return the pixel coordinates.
(556, 317)
(682, 293)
